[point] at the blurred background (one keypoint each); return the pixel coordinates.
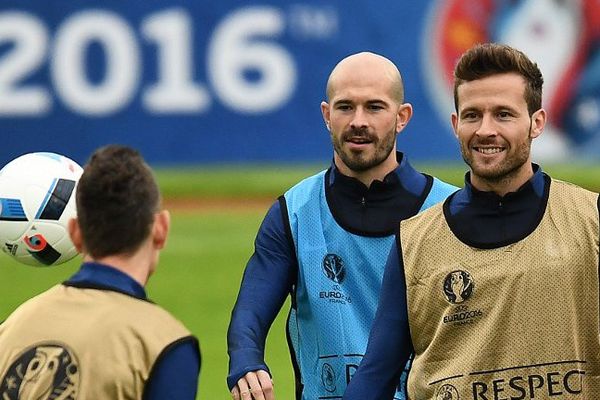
(222, 98)
(191, 82)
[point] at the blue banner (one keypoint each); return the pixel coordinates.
(190, 82)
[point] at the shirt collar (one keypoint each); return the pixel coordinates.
(404, 174)
(104, 276)
(534, 186)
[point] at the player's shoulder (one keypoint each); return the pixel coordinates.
(309, 181)
(431, 214)
(443, 187)
(145, 315)
(571, 191)
(438, 192)
(305, 188)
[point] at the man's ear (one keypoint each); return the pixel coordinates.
(538, 122)
(160, 229)
(454, 122)
(75, 234)
(326, 112)
(405, 112)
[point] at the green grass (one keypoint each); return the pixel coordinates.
(271, 181)
(216, 182)
(201, 267)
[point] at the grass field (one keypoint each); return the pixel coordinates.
(202, 265)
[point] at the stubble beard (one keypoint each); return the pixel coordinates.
(502, 172)
(359, 161)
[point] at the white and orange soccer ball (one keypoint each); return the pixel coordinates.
(37, 199)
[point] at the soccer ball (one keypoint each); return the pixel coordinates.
(37, 199)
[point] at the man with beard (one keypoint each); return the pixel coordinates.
(525, 323)
(325, 241)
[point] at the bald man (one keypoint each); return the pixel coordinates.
(325, 241)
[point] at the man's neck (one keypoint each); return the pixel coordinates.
(136, 265)
(507, 184)
(367, 177)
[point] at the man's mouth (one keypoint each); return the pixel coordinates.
(359, 140)
(488, 150)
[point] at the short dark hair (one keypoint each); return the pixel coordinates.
(488, 59)
(117, 199)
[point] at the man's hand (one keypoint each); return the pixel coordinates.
(256, 385)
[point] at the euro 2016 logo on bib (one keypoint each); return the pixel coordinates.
(447, 392)
(328, 378)
(458, 286)
(333, 267)
(42, 371)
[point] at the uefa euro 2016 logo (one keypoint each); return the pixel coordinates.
(328, 378)
(43, 371)
(447, 392)
(333, 267)
(458, 286)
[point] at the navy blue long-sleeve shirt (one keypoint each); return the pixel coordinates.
(480, 219)
(271, 272)
(175, 374)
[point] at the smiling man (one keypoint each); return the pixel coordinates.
(325, 241)
(496, 289)
(495, 130)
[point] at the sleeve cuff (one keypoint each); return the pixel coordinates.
(243, 361)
